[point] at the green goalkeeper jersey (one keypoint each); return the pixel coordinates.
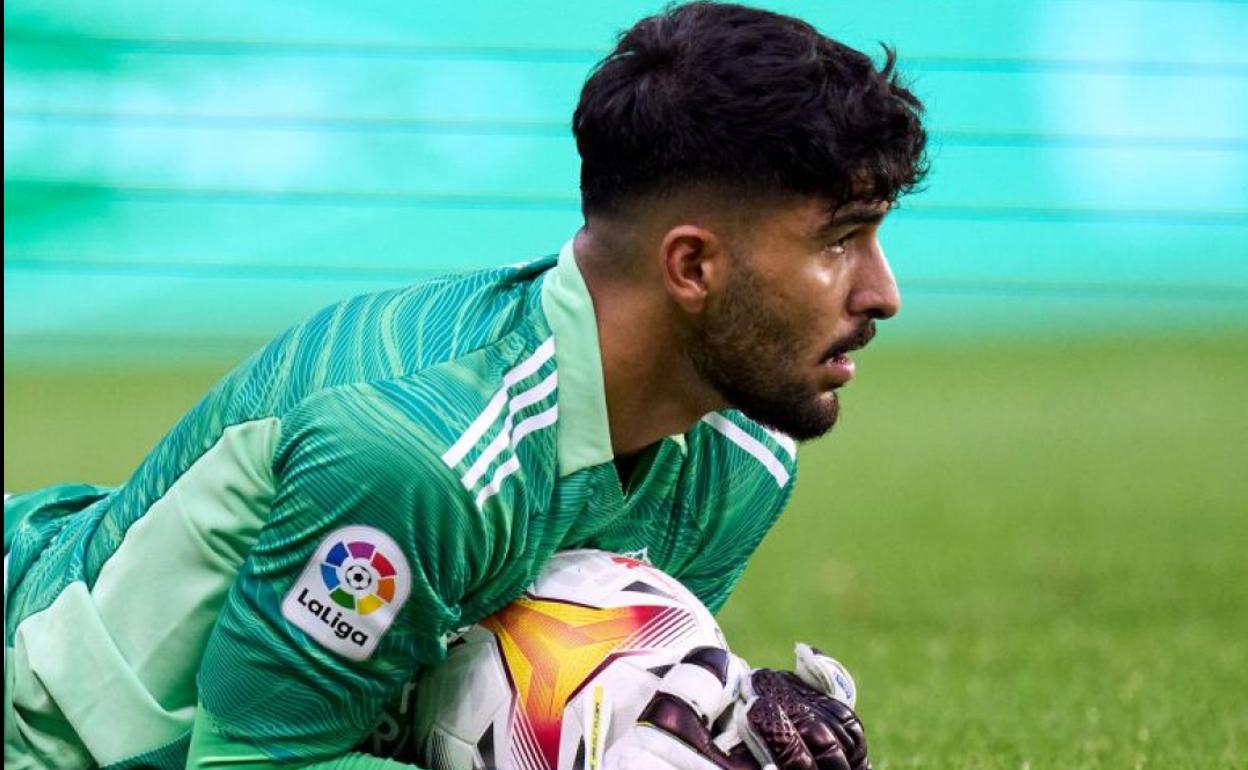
(399, 466)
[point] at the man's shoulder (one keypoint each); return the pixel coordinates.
(409, 328)
(392, 334)
(458, 417)
(730, 446)
(739, 475)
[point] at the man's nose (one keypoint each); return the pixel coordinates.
(875, 292)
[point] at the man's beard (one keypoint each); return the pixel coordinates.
(750, 353)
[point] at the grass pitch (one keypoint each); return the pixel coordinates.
(1030, 556)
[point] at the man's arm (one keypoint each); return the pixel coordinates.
(355, 580)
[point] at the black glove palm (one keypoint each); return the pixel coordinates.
(801, 728)
(803, 720)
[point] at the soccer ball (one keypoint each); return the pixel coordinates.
(549, 681)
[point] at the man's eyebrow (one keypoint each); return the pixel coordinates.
(853, 217)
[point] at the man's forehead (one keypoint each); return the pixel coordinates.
(805, 217)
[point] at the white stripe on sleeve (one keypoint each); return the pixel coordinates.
(494, 408)
(750, 444)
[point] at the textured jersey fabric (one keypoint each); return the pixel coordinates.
(316, 528)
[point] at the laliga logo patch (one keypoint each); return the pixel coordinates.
(350, 591)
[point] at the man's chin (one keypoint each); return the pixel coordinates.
(802, 422)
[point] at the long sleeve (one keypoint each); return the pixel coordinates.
(355, 581)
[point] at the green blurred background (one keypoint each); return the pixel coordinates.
(1028, 536)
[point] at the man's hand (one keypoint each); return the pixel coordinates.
(780, 719)
(674, 730)
(802, 720)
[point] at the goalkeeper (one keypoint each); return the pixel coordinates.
(402, 464)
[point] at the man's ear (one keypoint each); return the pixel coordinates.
(694, 264)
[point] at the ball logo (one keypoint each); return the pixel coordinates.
(350, 591)
(552, 648)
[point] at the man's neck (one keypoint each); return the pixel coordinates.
(651, 388)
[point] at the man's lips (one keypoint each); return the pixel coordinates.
(838, 363)
(841, 369)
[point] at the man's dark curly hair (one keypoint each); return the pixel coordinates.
(754, 103)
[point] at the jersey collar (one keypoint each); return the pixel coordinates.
(584, 435)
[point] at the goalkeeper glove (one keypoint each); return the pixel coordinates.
(802, 720)
(674, 730)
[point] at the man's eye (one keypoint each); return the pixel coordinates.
(838, 247)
